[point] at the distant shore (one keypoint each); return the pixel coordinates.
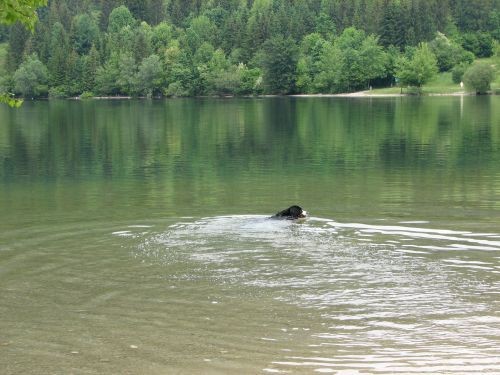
(357, 94)
(371, 94)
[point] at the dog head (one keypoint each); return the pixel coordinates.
(293, 212)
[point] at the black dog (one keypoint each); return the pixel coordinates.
(291, 213)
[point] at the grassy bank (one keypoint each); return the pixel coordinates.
(442, 84)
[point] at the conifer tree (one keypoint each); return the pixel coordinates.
(59, 51)
(17, 42)
(90, 67)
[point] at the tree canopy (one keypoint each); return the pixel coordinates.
(239, 47)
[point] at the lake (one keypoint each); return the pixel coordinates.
(135, 236)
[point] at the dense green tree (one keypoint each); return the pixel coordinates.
(149, 78)
(327, 79)
(138, 9)
(474, 15)
(161, 35)
(280, 18)
(325, 26)
(279, 61)
(179, 10)
(480, 44)
(40, 41)
(234, 29)
(59, 52)
(90, 68)
(127, 69)
(64, 15)
(449, 53)
(217, 75)
(203, 55)
(180, 76)
(258, 28)
(120, 42)
(31, 78)
(302, 19)
(419, 68)
(478, 77)
(362, 59)
(84, 33)
(17, 43)
(142, 42)
(120, 18)
(392, 26)
(156, 11)
(117, 76)
(494, 23)
(200, 30)
(309, 63)
(74, 76)
(423, 18)
(106, 7)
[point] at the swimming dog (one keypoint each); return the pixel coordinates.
(291, 213)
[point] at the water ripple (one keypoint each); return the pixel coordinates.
(389, 298)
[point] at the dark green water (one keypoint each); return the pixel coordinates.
(134, 236)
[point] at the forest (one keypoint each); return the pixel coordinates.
(157, 48)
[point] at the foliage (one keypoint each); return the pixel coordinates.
(309, 66)
(120, 18)
(84, 33)
(149, 76)
(350, 62)
(87, 95)
(419, 68)
(31, 78)
(58, 61)
(10, 100)
(235, 47)
(479, 77)
(278, 63)
(361, 59)
(448, 53)
(458, 71)
(480, 44)
(20, 10)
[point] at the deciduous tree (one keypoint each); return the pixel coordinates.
(279, 62)
(31, 78)
(23, 11)
(419, 68)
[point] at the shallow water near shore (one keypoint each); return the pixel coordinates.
(135, 236)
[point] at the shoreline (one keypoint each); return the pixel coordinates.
(358, 94)
(370, 94)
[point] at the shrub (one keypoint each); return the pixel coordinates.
(58, 92)
(457, 73)
(479, 77)
(176, 89)
(87, 95)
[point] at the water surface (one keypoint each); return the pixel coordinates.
(135, 238)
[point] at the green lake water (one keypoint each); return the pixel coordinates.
(135, 238)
